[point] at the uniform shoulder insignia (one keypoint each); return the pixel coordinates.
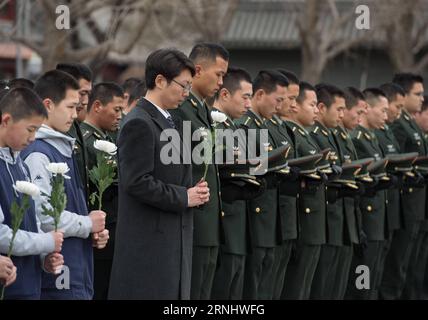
(257, 122)
(343, 135)
(85, 133)
(302, 132)
(316, 129)
(406, 117)
(359, 134)
(193, 102)
(293, 129)
(274, 122)
(247, 121)
(324, 132)
(368, 137)
(227, 124)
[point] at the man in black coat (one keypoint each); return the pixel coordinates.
(154, 235)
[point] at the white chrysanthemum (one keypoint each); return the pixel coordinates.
(27, 188)
(58, 168)
(218, 116)
(105, 146)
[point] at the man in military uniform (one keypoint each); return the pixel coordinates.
(410, 139)
(234, 100)
(331, 106)
(84, 77)
(421, 119)
(355, 108)
(104, 114)
(211, 62)
(373, 203)
(269, 89)
(400, 247)
(288, 188)
(311, 202)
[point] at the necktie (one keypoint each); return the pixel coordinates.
(171, 123)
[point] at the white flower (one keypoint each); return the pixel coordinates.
(58, 168)
(218, 116)
(27, 188)
(105, 146)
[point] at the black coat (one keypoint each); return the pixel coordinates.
(153, 250)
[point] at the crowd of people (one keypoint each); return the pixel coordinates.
(339, 213)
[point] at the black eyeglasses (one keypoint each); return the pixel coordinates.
(187, 87)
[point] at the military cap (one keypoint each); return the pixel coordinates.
(401, 163)
(324, 163)
(349, 173)
(238, 184)
(421, 164)
(307, 165)
(363, 175)
(377, 169)
(276, 161)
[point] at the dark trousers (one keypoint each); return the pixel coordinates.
(397, 262)
(258, 271)
(341, 279)
(413, 289)
(204, 262)
(102, 270)
(229, 277)
(282, 255)
(326, 272)
(300, 272)
(371, 258)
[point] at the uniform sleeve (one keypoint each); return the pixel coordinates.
(72, 224)
(26, 243)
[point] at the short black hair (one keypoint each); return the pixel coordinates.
(424, 104)
(137, 92)
(168, 63)
(352, 96)
(372, 95)
(209, 51)
(22, 103)
(268, 80)
(77, 70)
(303, 87)
(129, 84)
(104, 92)
(326, 93)
(20, 83)
(232, 79)
(391, 90)
(54, 85)
(291, 76)
(406, 80)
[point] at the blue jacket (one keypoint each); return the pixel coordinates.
(76, 249)
(27, 284)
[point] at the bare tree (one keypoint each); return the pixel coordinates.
(405, 27)
(320, 41)
(56, 45)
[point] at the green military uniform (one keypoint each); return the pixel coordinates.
(326, 284)
(102, 258)
(410, 139)
(229, 275)
(400, 246)
(80, 155)
(263, 223)
(311, 208)
(352, 217)
(207, 218)
(424, 290)
(373, 210)
(287, 209)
